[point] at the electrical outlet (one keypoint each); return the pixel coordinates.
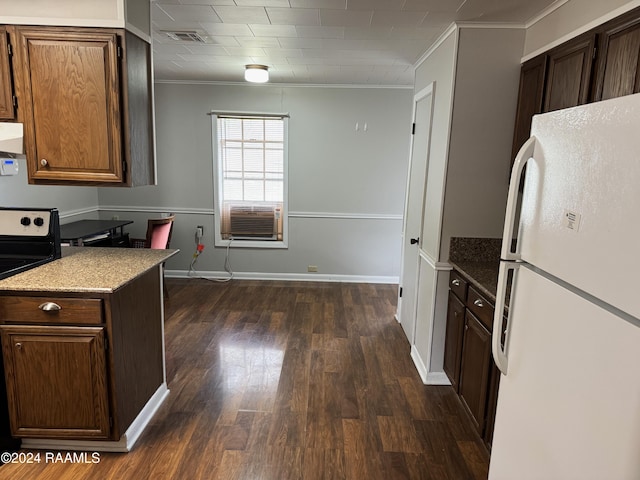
(199, 231)
(312, 268)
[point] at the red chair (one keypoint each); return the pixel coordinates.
(158, 234)
(158, 237)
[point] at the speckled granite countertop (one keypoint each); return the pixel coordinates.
(88, 269)
(477, 260)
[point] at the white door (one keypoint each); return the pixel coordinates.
(414, 210)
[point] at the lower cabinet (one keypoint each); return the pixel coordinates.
(467, 359)
(56, 381)
(474, 369)
(454, 336)
(81, 365)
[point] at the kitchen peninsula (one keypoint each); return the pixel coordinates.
(83, 348)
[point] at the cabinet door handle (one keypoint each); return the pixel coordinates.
(44, 162)
(413, 241)
(19, 346)
(478, 303)
(455, 282)
(49, 307)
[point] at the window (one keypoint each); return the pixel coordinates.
(250, 153)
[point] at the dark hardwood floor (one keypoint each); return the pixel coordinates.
(279, 380)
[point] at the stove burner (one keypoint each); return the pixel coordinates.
(29, 237)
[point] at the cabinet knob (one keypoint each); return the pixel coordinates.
(49, 307)
(44, 162)
(478, 303)
(19, 346)
(455, 282)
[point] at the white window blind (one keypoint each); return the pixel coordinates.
(251, 167)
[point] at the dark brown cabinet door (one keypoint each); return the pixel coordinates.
(453, 339)
(474, 369)
(619, 58)
(56, 381)
(530, 96)
(569, 73)
(70, 103)
(7, 111)
(492, 404)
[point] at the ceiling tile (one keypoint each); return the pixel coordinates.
(203, 2)
(185, 13)
(302, 42)
(451, 6)
(346, 18)
(262, 3)
(262, 42)
(375, 4)
(294, 16)
(207, 49)
(242, 14)
(320, 32)
(399, 19)
(235, 30)
(274, 30)
(366, 33)
(318, 3)
(283, 52)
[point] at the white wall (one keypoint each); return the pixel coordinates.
(334, 172)
(571, 19)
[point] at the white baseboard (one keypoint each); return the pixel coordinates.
(428, 378)
(437, 378)
(126, 442)
(298, 277)
(420, 366)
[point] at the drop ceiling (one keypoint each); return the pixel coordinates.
(344, 42)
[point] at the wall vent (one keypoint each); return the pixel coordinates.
(186, 36)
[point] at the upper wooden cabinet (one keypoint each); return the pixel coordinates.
(619, 58)
(600, 64)
(7, 110)
(530, 95)
(84, 95)
(569, 74)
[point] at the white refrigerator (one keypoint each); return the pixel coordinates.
(569, 396)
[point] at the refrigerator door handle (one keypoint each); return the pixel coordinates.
(523, 156)
(498, 350)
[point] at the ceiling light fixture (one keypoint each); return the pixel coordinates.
(256, 73)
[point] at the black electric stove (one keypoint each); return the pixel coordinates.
(29, 237)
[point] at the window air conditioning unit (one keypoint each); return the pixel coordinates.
(251, 222)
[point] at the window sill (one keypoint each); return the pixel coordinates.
(250, 244)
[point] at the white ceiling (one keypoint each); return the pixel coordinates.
(364, 42)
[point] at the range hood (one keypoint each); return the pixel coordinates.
(11, 138)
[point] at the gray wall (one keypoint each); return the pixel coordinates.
(73, 202)
(346, 187)
(484, 110)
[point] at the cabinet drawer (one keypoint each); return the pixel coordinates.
(481, 308)
(32, 310)
(458, 285)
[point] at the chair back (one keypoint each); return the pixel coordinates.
(159, 232)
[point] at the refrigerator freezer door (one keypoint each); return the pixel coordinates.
(581, 202)
(569, 408)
